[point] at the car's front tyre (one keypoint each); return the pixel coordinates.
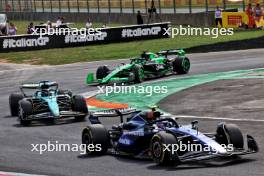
(159, 154)
(13, 103)
(25, 109)
(79, 105)
(229, 134)
(102, 72)
(96, 135)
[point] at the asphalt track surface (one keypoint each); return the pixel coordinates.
(15, 141)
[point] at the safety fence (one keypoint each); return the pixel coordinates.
(121, 6)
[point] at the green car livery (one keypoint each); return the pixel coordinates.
(149, 65)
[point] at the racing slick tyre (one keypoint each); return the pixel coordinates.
(138, 74)
(102, 72)
(25, 109)
(159, 154)
(230, 134)
(79, 105)
(13, 103)
(96, 135)
(181, 65)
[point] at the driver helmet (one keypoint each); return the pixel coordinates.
(145, 55)
(44, 89)
(153, 115)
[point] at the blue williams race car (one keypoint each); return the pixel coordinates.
(47, 102)
(163, 139)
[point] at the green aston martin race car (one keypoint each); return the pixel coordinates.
(149, 65)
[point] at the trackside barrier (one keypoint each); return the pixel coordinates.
(107, 35)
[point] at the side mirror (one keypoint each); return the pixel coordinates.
(194, 124)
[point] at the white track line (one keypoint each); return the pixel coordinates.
(33, 67)
(25, 69)
(16, 174)
(219, 118)
(90, 93)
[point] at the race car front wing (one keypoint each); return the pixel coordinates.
(48, 115)
(199, 156)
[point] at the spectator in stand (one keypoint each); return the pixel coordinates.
(62, 20)
(12, 30)
(218, 17)
(139, 18)
(88, 23)
(30, 28)
(249, 12)
(58, 22)
(49, 26)
(258, 16)
(257, 12)
(8, 7)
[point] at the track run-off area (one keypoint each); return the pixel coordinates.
(206, 68)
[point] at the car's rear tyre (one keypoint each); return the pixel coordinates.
(229, 134)
(181, 65)
(13, 103)
(138, 74)
(97, 135)
(161, 156)
(25, 109)
(79, 105)
(102, 72)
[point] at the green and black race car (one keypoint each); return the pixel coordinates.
(149, 65)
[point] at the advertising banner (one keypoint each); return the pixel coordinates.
(106, 35)
(234, 19)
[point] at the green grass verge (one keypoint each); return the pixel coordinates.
(118, 50)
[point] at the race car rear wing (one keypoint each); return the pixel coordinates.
(29, 86)
(111, 113)
(179, 52)
(40, 85)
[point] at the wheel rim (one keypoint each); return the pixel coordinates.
(186, 64)
(86, 139)
(20, 114)
(157, 149)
